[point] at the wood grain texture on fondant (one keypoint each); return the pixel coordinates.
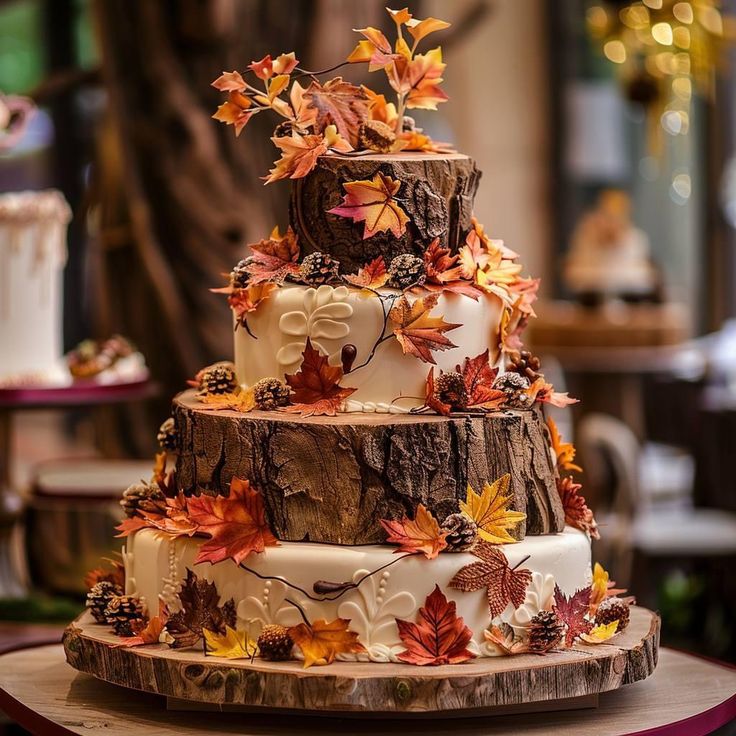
(330, 479)
(437, 193)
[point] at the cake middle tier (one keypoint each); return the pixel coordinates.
(335, 319)
(331, 479)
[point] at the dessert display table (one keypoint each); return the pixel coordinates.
(568, 679)
(24, 398)
(685, 695)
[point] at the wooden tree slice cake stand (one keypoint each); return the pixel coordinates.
(568, 679)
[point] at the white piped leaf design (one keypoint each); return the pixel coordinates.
(322, 319)
(373, 613)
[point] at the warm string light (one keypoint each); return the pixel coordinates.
(665, 50)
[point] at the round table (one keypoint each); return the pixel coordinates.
(686, 696)
(23, 398)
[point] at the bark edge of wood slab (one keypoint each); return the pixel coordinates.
(330, 479)
(437, 193)
(475, 686)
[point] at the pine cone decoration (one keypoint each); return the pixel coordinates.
(270, 393)
(240, 275)
(219, 378)
(545, 631)
(461, 532)
(376, 136)
(145, 497)
(283, 130)
(168, 437)
(99, 596)
(406, 271)
(122, 612)
(274, 643)
(613, 609)
(525, 364)
(319, 268)
(514, 386)
(450, 389)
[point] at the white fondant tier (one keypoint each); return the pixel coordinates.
(332, 317)
(32, 256)
(156, 564)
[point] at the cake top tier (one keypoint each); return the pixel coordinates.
(357, 208)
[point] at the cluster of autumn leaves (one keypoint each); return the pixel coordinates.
(482, 266)
(322, 118)
(577, 512)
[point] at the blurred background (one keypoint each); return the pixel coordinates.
(606, 131)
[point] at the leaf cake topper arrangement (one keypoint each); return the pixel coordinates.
(337, 116)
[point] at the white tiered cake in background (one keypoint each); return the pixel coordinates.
(33, 228)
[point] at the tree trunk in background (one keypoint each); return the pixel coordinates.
(192, 196)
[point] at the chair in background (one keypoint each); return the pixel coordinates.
(644, 532)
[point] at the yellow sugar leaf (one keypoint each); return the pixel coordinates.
(564, 451)
(490, 511)
(231, 645)
(600, 633)
(241, 401)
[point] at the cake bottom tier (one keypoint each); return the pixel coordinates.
(156, 564)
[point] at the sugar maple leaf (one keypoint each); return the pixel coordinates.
(505, 640)
(338, 103)
(115, 574)
(479, 377)
(601, 633)
(419, 78)
(375, 49)
(601, 588)
(200, 609)
(299, 153)
(236, 524)
(544, 392)
(503, 584)
(440, 636)
(421, 28)
(444, 273)
(371, 276)
(235, 111)
(525, 291)
(419, 333)
(148, 632)
(572, 612)
(577, 513)
(321, 641)
(431, 401)
(564, 451)
(274, 258)
(247, 300)
(242, 401)
(372, 201)
(316, 385)
(230, 645)
(440, 266)
(420, 535)
(490, 511)
(175, 521)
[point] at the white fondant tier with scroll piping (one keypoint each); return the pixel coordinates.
(386, 380)
(156, 565)
(32, 256)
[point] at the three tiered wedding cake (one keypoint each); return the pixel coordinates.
(373, 478)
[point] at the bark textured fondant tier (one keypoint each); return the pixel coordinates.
(330, 479)
(437, 192)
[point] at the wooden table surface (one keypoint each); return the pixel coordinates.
(686, 696)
